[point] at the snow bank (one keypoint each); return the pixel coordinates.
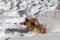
(13, 13)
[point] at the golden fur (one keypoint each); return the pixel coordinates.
(34, 25)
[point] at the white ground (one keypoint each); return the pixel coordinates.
(15, 11)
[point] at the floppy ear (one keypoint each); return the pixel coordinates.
(35, 21)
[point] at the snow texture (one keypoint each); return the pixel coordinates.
(14, 12)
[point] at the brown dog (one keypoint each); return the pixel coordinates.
(34, 25)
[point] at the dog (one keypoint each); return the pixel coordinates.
(34, 26)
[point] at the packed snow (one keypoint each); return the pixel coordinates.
(14, 12)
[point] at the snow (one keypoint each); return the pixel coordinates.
(14, 12)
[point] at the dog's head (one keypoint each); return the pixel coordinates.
(31, 21)
(28, 21)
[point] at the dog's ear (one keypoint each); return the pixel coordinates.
(35, 21)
